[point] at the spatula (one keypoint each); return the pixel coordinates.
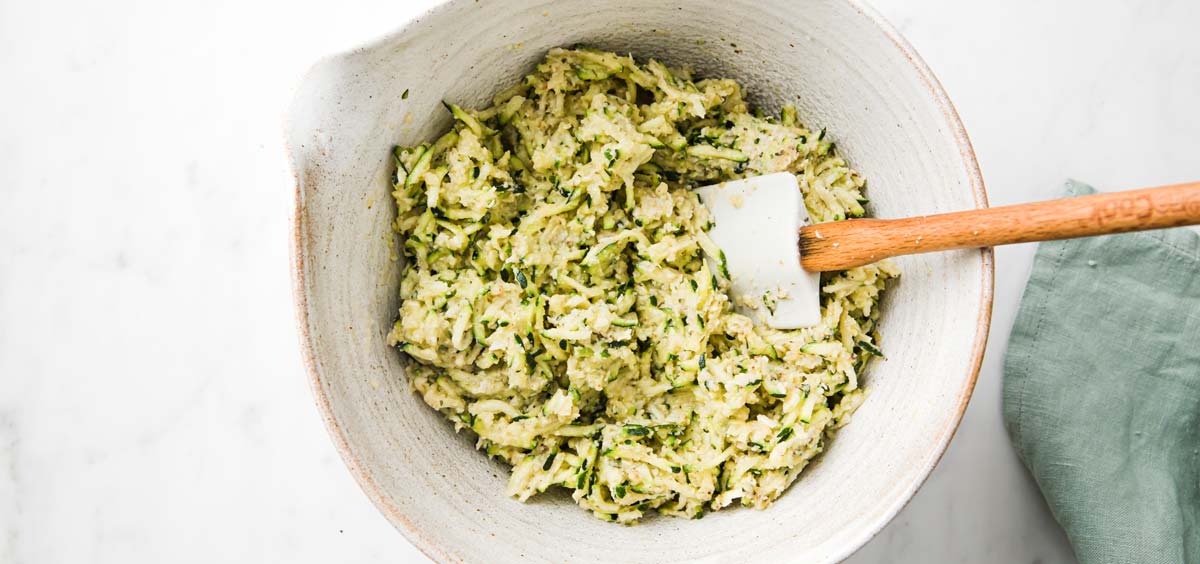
(762, 226)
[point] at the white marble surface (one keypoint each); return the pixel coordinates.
(152, 402)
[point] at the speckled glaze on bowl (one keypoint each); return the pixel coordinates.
(844, 68)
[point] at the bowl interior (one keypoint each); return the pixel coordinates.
(842, 69)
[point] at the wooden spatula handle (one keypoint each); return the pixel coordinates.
(846, 244)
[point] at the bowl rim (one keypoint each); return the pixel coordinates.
(414, 534)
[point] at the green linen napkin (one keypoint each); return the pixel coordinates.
(1102, 392)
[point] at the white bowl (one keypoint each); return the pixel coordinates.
(837, 61)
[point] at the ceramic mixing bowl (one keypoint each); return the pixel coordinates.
(843, 67)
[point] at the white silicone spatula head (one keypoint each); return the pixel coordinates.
(756, 222)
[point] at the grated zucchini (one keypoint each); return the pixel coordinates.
(563, 302)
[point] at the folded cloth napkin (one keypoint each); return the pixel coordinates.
(1102, 392)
